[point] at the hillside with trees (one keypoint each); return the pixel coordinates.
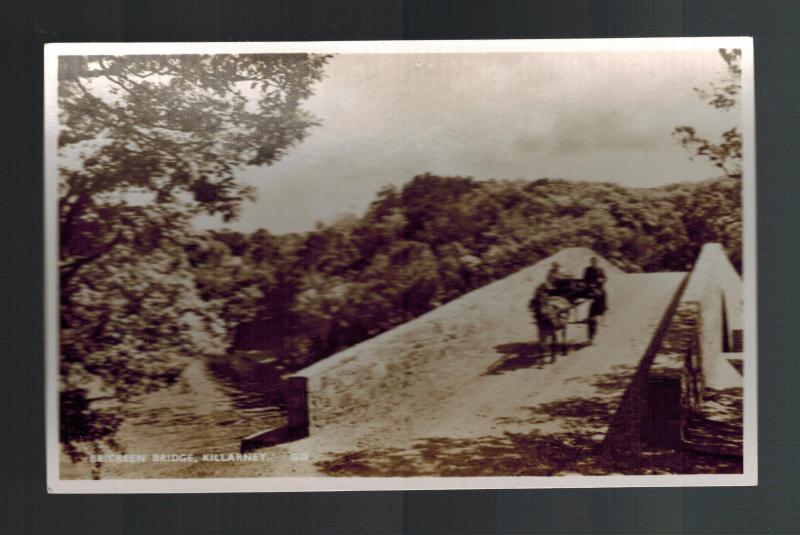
(439, 237)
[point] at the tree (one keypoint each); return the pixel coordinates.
(145, 144)
(723, 95)
(715, 211)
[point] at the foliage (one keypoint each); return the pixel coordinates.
(145, 144)
(441, 237)
(727, 152)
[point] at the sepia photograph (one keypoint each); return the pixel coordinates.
(400, 265)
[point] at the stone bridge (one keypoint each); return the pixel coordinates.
(469, 375)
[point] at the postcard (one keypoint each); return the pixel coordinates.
(400, 265)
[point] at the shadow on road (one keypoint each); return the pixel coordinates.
(578, 414)
(521, 355)
(512, 454)
(518, 454)
(612, 383)
(574, 448)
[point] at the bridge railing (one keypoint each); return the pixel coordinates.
(668, 388)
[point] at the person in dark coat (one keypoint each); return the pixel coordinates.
(595, 278)
(594, 275)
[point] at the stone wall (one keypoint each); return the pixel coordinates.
(715, 291)
(630, 427)
(706, 325)
(704, 321)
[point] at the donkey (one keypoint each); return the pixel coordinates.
(552, 316)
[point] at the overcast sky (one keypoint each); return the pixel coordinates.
(583, 116)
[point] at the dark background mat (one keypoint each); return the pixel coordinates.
(772, 507)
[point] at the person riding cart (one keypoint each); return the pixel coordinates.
(572, 292)
(553, 276)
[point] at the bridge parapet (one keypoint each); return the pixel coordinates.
(714, 291)
(700, 329)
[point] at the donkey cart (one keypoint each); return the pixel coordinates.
(556, 307)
